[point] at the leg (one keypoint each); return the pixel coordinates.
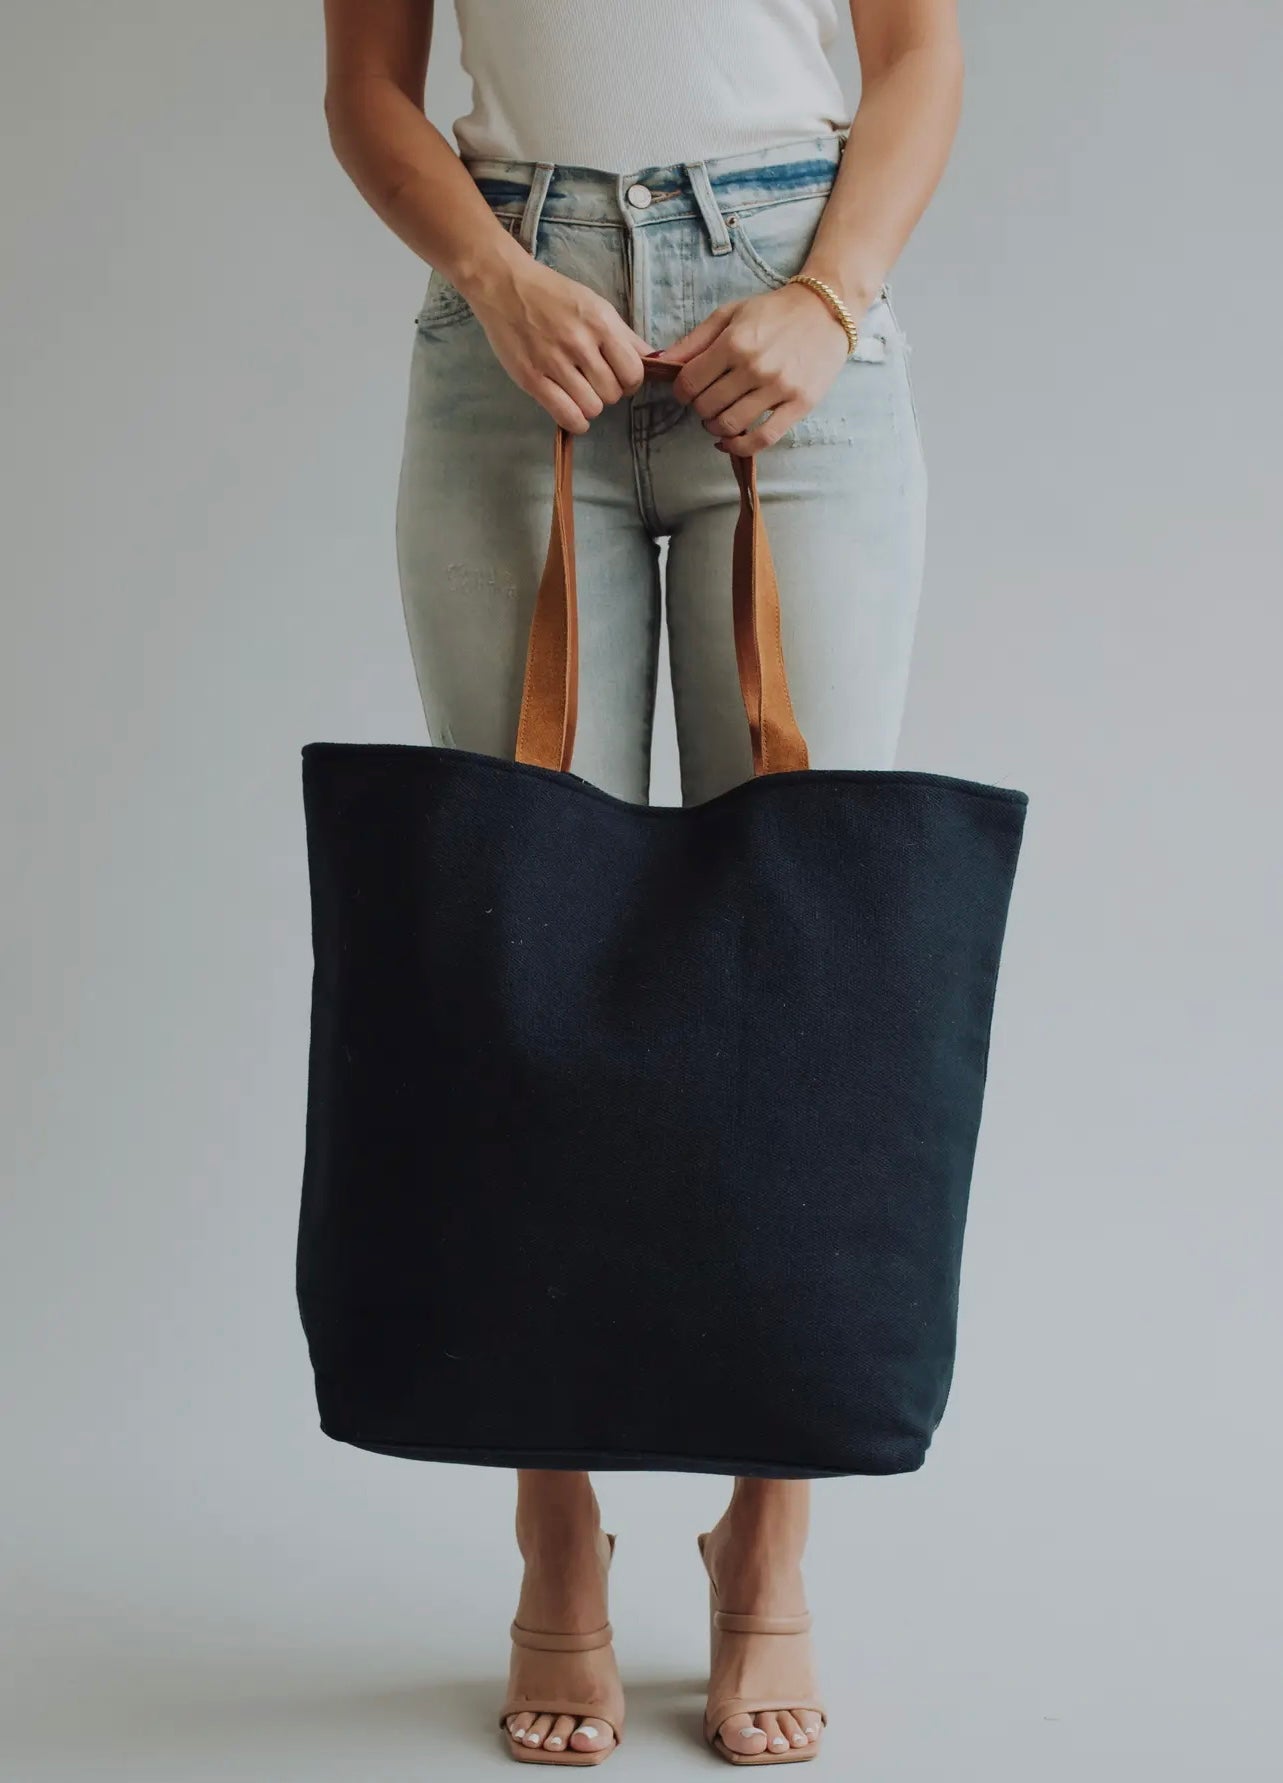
(844, 498)
(754, 1553)
(473, 512)
(564, 1588)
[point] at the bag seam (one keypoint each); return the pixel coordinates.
(922, 777)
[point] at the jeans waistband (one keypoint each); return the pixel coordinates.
(711, 189)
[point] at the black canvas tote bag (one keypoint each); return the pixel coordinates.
(642, 1136)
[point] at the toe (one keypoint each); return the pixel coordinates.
(559, 1733)
(536, 1734)
(592, 1735)
(741, 1735)
(517, 1725)
(770, 1726)
(791, 1728)
(812, 1726)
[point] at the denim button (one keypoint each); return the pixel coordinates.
(639, 195)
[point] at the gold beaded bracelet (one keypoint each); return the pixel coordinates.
(834, 302)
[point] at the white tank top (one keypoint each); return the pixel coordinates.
(628, 84)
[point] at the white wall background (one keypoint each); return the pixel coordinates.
(205, 337)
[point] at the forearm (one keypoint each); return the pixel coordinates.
(410, 175)
(897, 150)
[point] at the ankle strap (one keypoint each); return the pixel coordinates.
(734, 1624)
(561, 1643)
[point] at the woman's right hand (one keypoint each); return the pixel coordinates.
(561, 342)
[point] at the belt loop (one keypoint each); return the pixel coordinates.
(528, 228)
(719, 237)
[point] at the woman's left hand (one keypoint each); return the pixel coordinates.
(778, 350)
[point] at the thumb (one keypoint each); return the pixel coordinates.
(702, 335)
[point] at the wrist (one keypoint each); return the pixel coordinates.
(489, 273)
(858, 291)
(835, 305)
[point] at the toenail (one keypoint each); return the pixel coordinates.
(799, 1739)
(554, 1739)
(589, 1733)
(746, 1733)
(779, 1743)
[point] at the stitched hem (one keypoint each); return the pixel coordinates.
(372, 752)
(887, 1458)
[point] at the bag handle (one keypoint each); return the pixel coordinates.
(550, 693)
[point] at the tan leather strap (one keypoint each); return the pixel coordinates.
(778, 744)
(734, 1623)
(550, 693)
(726, 1707)
(563, 1705)
(561, 1643)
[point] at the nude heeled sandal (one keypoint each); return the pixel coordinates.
(609, 1713)
(723, 1708)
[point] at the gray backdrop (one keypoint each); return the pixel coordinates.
(206, 337)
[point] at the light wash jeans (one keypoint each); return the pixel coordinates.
(843, 492)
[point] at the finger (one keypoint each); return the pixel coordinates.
(701, 373)
(625, 361)
(600, 374)
(740, 414)
(580, 391)
(735, 384)
(566, 413)
(704, 333)
(643, 346)
(759, 438)
(708, 360)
